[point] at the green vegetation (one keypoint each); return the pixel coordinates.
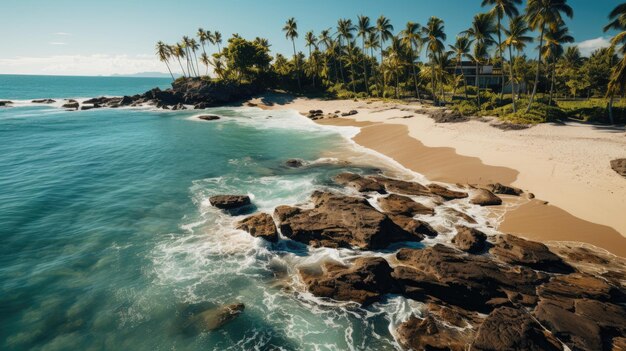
(365, 59)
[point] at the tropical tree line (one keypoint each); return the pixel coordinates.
(370, 58)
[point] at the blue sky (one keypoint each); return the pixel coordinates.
(118, 36)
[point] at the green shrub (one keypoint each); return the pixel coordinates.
(466, 107)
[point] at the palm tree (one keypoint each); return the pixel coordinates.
(364, 29)
(553, 50)
(217, 40)
(204, 58)
(442, 62)
(516, 38)
(344, 31)
(178, 51)
(373, 43)
(291, 32)
(501, 8)
(164, 54)
(461, 49)
(329, 43)
(384, 30)
(411, 38)
(311, 42)
(542, 14)
(193, 45)
(352, 55)
(434, 36)
(617, 83)
(396, 62)
(481, 30)
(186, 44)
(203, 37)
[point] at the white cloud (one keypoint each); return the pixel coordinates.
(98, 64)
(588, 46)
(57, 43)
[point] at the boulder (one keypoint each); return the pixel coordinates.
(484, 197)
(294, 163)
(359, 183)
(513, 329)
(515, 250)
(126, 100)
(87, 107)
(365, 282)
(414, 226)
(70, 104)
(498, 188)
(350, 113)
(401, 205)
(196, 320)
(445, 192)
(469, 239)
(5, 102)
(430, 334)
(462, 215)
(619, 166)
(401, 186)
(229, 202)
(340, 221)
(179, 106)
(43, 101)
(209, 117)
(261, 226)
(456, 278)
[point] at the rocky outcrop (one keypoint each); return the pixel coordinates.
(71, 104)
(484, 197)
(431, 334)
(414, 226)
(445, 192)
(513, 329)
(498, 188)
(4, 103)
(619, 166)
(401, 205)
(401, 186)
(469, 240)
(359, 183)
(229, 202)
(43, 101)
(294, 163)
(197, 320)
(515, 250)
(349, 113)
(208, 117)
(261, 226)
(340, 221)
(366, 281)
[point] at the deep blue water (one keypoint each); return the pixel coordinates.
(107, 234)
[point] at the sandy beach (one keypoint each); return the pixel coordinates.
(578, 197)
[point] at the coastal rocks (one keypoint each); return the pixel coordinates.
(261, 226)
(359, 183)
(414, 226)
(619, 166)
(401, 186)
(209, 117)
(446, 193)
(401, 205)
(229, 202)
(456, 278)
(349, 113)
(87, 107)
(4, 103)
(340, 221)
(430, 334)
(315, 114)
(71, 104)
(43, 101)
(469, 240)
(196, 320)
(515, 250)
(498, 188)
(179, 106)
(294, 163)
(484, 197)
(365, 282)
(508, 328)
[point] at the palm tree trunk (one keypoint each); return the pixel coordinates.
(382, 93)
(610, 107)
(512, 83)
(532, 97)
(417, 90)
(501, 57)
(456, 66)
(181, 66)
(433, 89)
(367, 89)
(477, 85)
(551, 85)
(197, 66)
(169, 70)
(295, 58)
(397, 85)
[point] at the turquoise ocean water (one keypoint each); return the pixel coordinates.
(108, 237)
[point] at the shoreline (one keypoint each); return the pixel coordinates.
(393, 131)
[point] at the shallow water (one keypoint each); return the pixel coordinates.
(107, 233)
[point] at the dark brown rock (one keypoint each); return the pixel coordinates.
(43, 101)
(619, 166)
(365, 282)
(498, 188)
(350, 113)
(198, 321)
(229, 202)
(469, 239)
(359, 182)
(445, 192)
(209, 117)
(513, 329)
(414, 226)
(401, 186)
(460, 214)
(5, 102)
(515, 250)
(340, 221)
(73, 105)
(260, 225)
(430, 334)
(401, 205)
(484, 197)
(294, 163)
